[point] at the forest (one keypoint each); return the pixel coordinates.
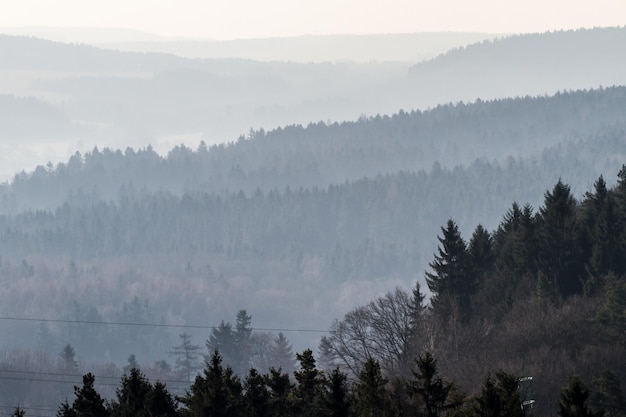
(463, 256)
(529, 318)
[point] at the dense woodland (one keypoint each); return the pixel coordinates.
(460, 274)
(542, 296)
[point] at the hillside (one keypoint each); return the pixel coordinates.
(134, 224)
(118, 99)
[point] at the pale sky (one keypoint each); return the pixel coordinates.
(232, 19)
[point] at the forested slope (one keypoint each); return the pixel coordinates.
(321, 155)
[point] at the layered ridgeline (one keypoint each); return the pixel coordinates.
(119, 99)
(527, 317)
(135, 237)
(319, 155)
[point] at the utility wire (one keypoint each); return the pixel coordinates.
(173, 381)
(181, 326)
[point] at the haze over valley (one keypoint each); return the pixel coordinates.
(375, 198)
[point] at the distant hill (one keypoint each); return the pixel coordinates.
(407, 47)
(120, 99)
(526, 64)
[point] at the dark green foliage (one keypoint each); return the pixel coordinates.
(18, 412)
(337, 400)
(611, 316)
(572, 400)
(66, 410)
(234, 345)
(255, 395)
(279, 402)
(431, 390)
(214, 393)
(309, 390)
(608, 394)
(133, 395)
(88, 402)
(450, 279)
(499, 398)
(370, 392)
(480, 251)
(559, 257)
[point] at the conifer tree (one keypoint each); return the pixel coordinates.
(216, 392)
(558, 256)
(88, 402)
(370, 396)
(430, 389)
(310, 386)
(186, 357)
(449, 277)
(572, 400)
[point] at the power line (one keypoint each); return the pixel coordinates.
(181, 326)
(172, 381)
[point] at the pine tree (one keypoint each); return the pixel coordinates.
(337, 399)
(242, 344)
(500, 398)
(558, 257)
(310, 386)
(281, 354)
(572, 400)
(370, 397)
(66, 410)
(187, 355)
(431, 390)
(609, 395)
(449, 277)
(256, 395)
(88, 403)
(280, 389)
(216, 392)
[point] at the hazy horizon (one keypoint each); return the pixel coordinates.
(279, 18)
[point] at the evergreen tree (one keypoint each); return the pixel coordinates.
(558, 258)
(186, 357)
(609, 395)
(370, 393)
(242, 343)
(572, 400)
(430, 389)
(161, 403)
(132, 396)
(88, 403)
(256, 395)
(66, 410)
(222, 339)
(18, 412)
(68, 359)
(310, 386)
(280, 389)
(449, 278)
(216, 392)
(480, 251)
(281, 354)
(337, 398)
(499, 398)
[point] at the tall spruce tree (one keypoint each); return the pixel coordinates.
(559, 259)
(449, 279)
(370, 392)
(431, 390)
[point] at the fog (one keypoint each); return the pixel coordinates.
(154, 186)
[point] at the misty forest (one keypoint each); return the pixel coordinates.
(442, 234)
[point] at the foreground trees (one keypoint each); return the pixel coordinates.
(217, 391)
